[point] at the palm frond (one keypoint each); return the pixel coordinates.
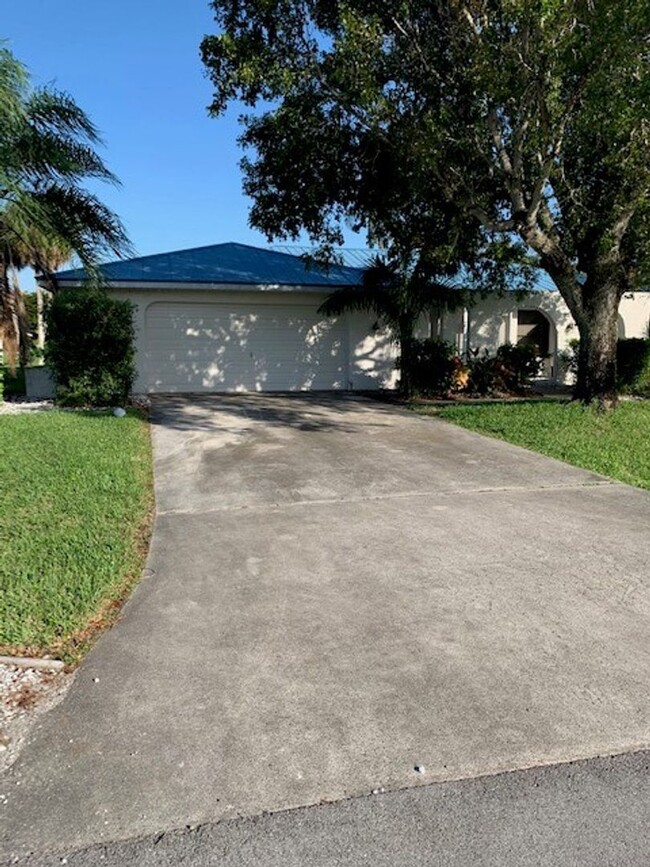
(362, 297)
(429, 294)
(46, 214)
(79, 219)
(26, 244)
(396, 295)
(45, 155)
(14, 82)
(56, 111)
(44, 160)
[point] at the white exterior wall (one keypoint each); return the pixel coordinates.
(371, 354)
(634, 315)
(493, 322)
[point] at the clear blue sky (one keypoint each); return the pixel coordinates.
(134, 66)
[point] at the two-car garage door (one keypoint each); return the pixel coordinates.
(194, 347)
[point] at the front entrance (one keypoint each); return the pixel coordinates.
(533, 328)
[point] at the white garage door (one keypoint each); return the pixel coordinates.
(218, 347)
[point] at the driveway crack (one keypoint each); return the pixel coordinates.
(400, 495)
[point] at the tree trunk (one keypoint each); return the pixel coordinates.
(598, 327)
(406, 326)
(8, 320)
(40, 319)
(594, 307)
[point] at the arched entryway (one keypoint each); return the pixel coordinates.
(536, 329)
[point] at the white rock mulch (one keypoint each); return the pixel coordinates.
(25, 695)
(13, 407)
(17, 405)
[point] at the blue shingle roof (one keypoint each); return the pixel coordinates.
(223, 263)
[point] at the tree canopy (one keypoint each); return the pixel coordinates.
(449, 124)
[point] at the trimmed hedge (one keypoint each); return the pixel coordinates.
(90, 348)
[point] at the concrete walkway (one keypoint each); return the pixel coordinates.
(339, 593)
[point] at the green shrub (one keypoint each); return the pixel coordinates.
(633, 365)
(509, 370)
(517, 364)
(483, 377)
(100, 388)
(90, 347)
(12, 385)
(432, 366)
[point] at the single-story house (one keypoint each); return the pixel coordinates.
(232, 317)
(542, 318)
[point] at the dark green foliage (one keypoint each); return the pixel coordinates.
(96, 388)
(433, 362)
(435, 369)
(483, 377)
(31, 313)
(14, 384)
(510, 370)
(399, 293)
(518, 364)
(444, 126)
(633, 361)
(90, 347)
(569, 357)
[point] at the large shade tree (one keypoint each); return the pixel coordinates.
(47, 153)
(519, 119)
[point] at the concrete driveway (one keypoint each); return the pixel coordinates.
(339, 592)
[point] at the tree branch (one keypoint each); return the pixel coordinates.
(513, 184)
(488, 223)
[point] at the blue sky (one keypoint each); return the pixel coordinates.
(134, 66)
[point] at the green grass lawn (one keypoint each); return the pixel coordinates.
(74, 521)
(616, 444)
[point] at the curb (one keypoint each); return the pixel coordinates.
(27, 662)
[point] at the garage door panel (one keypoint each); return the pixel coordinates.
(215, 347)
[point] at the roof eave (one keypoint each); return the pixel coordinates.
(171, 285)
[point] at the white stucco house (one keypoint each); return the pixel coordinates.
(542, 317)
(231, 317)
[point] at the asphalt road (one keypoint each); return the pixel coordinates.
(594, 812)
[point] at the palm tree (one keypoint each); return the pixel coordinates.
(45, 255)
(398, 295)
(47, 150)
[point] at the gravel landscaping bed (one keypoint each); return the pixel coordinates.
(17, 405)
(25, 694)
(14, 405)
